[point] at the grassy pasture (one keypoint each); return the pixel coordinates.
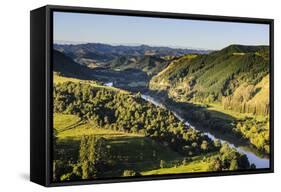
(194, 166)
(61, 79)
(126, 151)
(217, 110)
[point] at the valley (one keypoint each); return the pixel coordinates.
(131, 111)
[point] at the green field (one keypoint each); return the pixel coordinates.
(71, 126)
(126, 151)
(58, 79)
(196, 166)
(217, 110)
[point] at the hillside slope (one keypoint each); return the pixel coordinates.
(64, 65)
(150, 64)
(236, 76)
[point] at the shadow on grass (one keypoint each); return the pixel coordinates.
(72, 126)
(123, 153)
(139, 153)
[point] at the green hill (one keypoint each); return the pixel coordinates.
(147, 63)
(64, 65)
(231, 76)
(129, 77)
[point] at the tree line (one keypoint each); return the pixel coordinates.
(129, 113)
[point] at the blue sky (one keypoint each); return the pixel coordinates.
(85, 28)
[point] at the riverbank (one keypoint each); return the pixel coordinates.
(244, 147)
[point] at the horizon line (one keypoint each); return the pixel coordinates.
(65, 42)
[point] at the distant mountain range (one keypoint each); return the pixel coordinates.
(63, 42)
(102, 55)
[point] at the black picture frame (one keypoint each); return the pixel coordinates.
(41, 40)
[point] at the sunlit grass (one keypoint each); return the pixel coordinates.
(220, 109)
(61, 79)
(62, 121)
(72, 126)
(191, 167)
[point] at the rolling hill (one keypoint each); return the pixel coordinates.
(150, 64)
(65, 66)
(146, 58)
(129, 78)
(232, 76)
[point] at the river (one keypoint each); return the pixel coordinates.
(260, 162)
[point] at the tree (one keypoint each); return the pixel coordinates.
(204, 145)
(91, 153)
(128, 173)
(138, 95)
(215, 164)
(184, 162)
(243, 162)
(217, 143)
(162, 164)
(233, 165)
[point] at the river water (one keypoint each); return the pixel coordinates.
(260, 162)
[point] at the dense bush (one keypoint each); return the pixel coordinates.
(256, 131)
(120, 111)
(228, 159)
(128, 173)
